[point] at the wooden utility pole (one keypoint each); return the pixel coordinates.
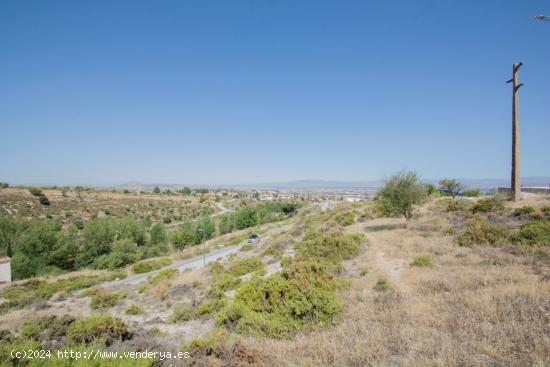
(515, 187)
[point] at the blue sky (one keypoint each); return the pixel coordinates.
(212, 92)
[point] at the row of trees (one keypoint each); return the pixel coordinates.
(193, 232)
(43, 247)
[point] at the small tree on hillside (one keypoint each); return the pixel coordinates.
(451, 186)
(156, 190)
(400, 194)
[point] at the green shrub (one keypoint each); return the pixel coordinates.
(104, 298)
(451, 230)
(182, 313)
(35, 191)
(150, 265)
(211, 306)
(332, 247)
(382, 284)
(46, 327)
(274, 251)
(545, 209)
(471, 193)
(455, 205)
(534, 233)
(301, 296)
(364, 271)
(123, 252)
(98, 327)
(247, 247)
(34, 290)
(222, 284)
(166, 220)
(523, 211)
(135, 310)
(43, 199)
(480, 232)
(422, 260)
(495, 202)
(244, 266)
(345, 219)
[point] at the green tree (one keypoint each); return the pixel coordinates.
(400, 194)
(451, 186)
(227, 223)
(206, 223)
(158, 234)
(183, 238)
(123, 252)
(156, 190)
(31, 253)
(96, 238)
(131, 228)
(246, 218)
(10, 229)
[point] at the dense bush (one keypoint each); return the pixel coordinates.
(523, 211)
(43, 199)
(345, 219)
(534, 233)
(100, 327)
(35, 191)
(244, 266)
(495, 202)
(104, 298)
(298, 297)
(481, 232)
(332, 247)
(182, 313)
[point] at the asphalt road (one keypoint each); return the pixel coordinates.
(192, 263)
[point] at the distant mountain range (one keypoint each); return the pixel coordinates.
(335, 184)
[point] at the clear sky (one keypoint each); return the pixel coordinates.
(212, 92)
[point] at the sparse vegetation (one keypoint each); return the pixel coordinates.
(382, 284)
(135, 309)
(422, 260)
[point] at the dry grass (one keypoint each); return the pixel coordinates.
(474, 307)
